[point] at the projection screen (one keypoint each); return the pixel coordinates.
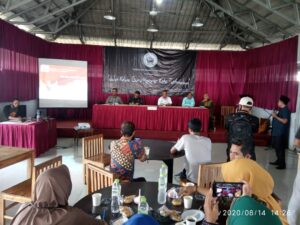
(63, 83)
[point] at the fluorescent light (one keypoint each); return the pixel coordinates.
(159, 1)
(298, 76)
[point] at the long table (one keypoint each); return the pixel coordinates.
(39, 136)
(168, 118)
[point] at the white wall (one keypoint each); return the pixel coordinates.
(31, 107)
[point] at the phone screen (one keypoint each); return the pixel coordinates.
(227, 189)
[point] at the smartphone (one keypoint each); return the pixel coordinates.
(227, 189)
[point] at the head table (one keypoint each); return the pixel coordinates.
(148, 189)
(162, 118)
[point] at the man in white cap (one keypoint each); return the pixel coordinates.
(241, 125)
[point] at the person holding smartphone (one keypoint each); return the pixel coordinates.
(244, 210)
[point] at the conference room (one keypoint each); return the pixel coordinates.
(149, 112)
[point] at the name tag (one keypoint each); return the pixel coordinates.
(153, 108)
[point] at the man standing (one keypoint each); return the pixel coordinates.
(114, 99)
(241, 126)
(12, 111)
(197, 149)
(164, 100)
(280, 131)
(136, 99)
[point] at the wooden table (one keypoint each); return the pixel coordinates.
(148, 189)
(13, 155)
(160, 150)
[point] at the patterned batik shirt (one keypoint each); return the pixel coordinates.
(123, 153)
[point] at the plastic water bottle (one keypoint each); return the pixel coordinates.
(163, 172)
(162, 191)
(115, 197)
(38, 115)
(143, 206)
(162, 184)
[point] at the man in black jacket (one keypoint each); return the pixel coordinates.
(241, 125)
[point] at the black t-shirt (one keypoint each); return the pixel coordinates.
(241, 126)
(134, 100)
(8, 110)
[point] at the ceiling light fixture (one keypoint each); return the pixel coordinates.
(197, 22)
(159, 1)
(152, 28)
(153, 12)
(109, 16)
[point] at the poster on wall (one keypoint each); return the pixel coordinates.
(149, 71)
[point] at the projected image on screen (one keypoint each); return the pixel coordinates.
(63, 83)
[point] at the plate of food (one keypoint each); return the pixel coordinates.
(128, 199)
(198, 214)
(126, 211)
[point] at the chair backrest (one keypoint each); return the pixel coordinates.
(92, 145)
(226, 110)
(98, 178)
(208, 173)
(40, 168)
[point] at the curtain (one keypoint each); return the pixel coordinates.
(264, 73)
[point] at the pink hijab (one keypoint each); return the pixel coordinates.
(50, 203)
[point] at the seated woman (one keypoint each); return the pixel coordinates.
(141, 219)
(50, 203)
(244, 211)
(258, 178)
(188, 101)
(209, 104)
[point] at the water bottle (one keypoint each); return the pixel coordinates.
(38, 115)
(115, 198)
(143, 206)
(163, 172)
(162, 184)
(162, 191)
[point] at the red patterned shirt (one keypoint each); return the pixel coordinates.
(123, 153)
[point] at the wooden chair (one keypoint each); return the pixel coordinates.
(93, 153)
(98, 178)
(225, 111)
(208, 173)
(23, 192)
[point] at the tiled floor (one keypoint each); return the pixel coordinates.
(72, 158)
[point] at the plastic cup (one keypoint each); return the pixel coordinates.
(187, 201)
(96, 198)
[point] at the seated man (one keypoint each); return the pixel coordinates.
(188, 101)
(209, 104)
(136, 99)
(197, 149)
(124, 151)
(114, 99)
(237, 151)
(164, 100)
(12, 111)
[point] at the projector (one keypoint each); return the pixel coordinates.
(84, 126)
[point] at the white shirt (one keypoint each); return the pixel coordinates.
(164, 101)
(293, 215)
(197, 151)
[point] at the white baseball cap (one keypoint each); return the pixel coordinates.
(246, 101)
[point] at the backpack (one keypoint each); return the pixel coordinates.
(240, 127)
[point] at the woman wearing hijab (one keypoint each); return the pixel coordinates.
(244, 210)
(141, 219)
(258, 178)
(50, 203)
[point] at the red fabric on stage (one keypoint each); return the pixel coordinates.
(162, 119)
(40, 136)
(264, 73)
